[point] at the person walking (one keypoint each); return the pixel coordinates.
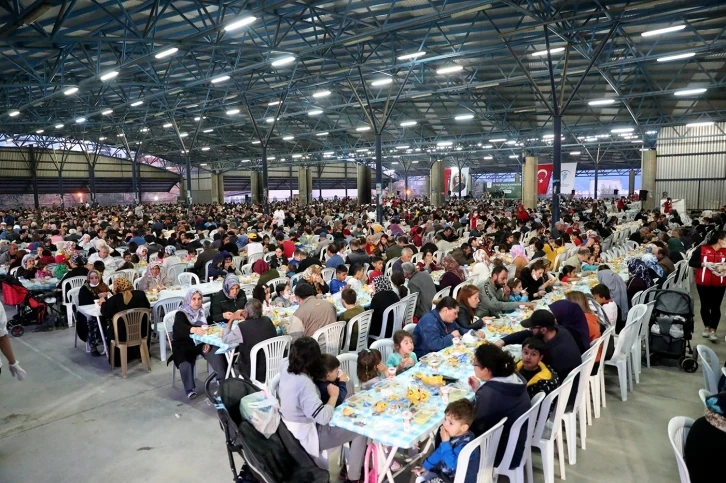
(710, 281)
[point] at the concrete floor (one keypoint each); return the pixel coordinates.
(75, 420)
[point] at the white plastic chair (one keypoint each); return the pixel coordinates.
(411, 301)
(329, 338)
(163, 307)
(273, 384)
(577, 413)
(642, 337)
(349, 363)
(173, 271)
(247, 288)
(703, 394)
(68, 285)
(274, 350)
(399, 312)
(207, 266)
(597, 381)
(268, 256)
(409, 328)
(487, 444)
(72, 309)
(439, 295)
(328, 274)
(275, 282)
(295, 279)
(678, 428)
(187, 278)
(385, 347)
(622, 356)
(182, 253)
(546, 435)
(710, 365)
(458, 288)
(364, 323)
(238, 261)
(246, 269)
(389, 267)
(169, 329)
(530, 419)
(251, 259)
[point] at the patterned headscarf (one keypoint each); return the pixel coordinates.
(141, 252)
(78, 259)
(638, 268)
(229, 282)
(652, 262)
(260, 267)
(382, 284)
(451, 265)
(170, 250)
(100, 288)
(480, 256)
(308, 273)
(123, 286)
(195, 317)
(155, 280)
(518, 251)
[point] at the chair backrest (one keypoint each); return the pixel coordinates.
(73, 300)
(625, 341)
(173, 271)
(165, 306)
(487, 444)
(295, 279)
(273, 384)
(207, 266)
(275, 282)
(329, 337)
(711, 368)
(389, 266)
(71, 283)
(349, 363)
(409, 328)
(588, 360)
(704, 394)
(417, 257)
(274, 350)
(187, 278)
(678, 428)
(153, 257)
(530, 419)
(636, 314)
(247, 288)
(458, 288)
(129, 274)
(559, 397)
(411, 301)
(133, 319)
(385, 347)
(328, 274)
(399, 312)
(246, 269)
(268, 256)
(364, 323)
(137, 282)
(670, 281)
(254, 257)
(238, 261)
(14, 271)
(182, 253)
(169, 325)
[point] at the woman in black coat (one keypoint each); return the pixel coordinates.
(88, 331)
(125, 298)
(229, 303)
(383, 298)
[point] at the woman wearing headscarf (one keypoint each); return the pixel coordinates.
(651, 262)
(27, 269)
(481, 265)
(170, 257)
(85, 242)
(77, 265)
(453, 274)
(216, 269)
(93, 289)
(188, 320)
(519, 258)
(639, 277)
(141, 255)
(313, 275)
(706, 441)
(383, 298)
(571, 316)
(125, 298)
(618, 290)
(261, 268)
(154, 278)
(229, 303)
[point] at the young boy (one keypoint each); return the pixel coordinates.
(540, 377)
(348, 298)
(297, 256)
(333, 375)
(377, 264)
(356, 277)
(455, 435)
(338, 283)
(601, 294)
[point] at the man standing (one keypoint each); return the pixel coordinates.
(493, 295)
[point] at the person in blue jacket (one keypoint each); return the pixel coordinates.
(437, 329)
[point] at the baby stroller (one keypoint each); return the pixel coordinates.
(30, 310)
(279, 459)
(671, 328)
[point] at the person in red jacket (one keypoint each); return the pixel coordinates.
(522, 214)
(667, 206)
(710, 284)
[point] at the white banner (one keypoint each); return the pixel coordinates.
(567, 179)
(457, 180)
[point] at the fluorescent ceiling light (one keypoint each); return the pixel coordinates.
(167, 53)
(297, 155)
(601, 102)
(232, 112)
(414, 162)
(487, 146)
(245, 160)
(412, 55)
(207, 131)
(382, 82)
(449, 70)
(315, 112)
(240, 23)
(109, 75)
(443, 144)
(58, 126)
(674, 28)
(197, 119)
(70, 90)
(552, 51)
(184, 134)
(144, 129)
(221, 78)
(102, 138)
(324, 133)
(120, 135)
(651, 132)
(273, 103)
(405, 146)
(328, 153)
(622, 130)
(510, 142)
(167, 125)
(669, 58)
(272, 158)
(575, 153)
(408, 123)
(206, 148)
(283, 60)
(488, 157)
(202, 164)
(690, 92)
(639, 141)
(321, 93)
(80, 120)
(526, 109)
(137, 103)
(13, 113)
(548, 136)
(39, 131)
(362, 150)
(513, 156)
(288, 138)
(497, 140)
(257, 141)
(362, 128)
(395, 162)
(700, 124)
(270, 120)
(464, 117)
(107, 112)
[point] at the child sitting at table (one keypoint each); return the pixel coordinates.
(568, 274)
(348, 298)
(333, 375)
(370, 368)
(377, 264)
(440, 466)
(516, 293)
(540, 377)
(292, 265)
(590, 265)
(356, 277)
(283, 296)
(403, 356)
(338, 283)
(601, 294)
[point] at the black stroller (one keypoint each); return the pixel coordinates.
(279, 459)
(671, 328)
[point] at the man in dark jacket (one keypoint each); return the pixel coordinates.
(357, 254)
(254, 329)
(206, 256)
(437, 329)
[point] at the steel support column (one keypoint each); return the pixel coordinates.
(290, 180)
(556, 169)
(265, 205)
(631, 182)
(647, 180)
(34, 175)
(379, 179)
(529, 182)
(189, 181)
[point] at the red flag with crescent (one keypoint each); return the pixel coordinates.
(544, 174)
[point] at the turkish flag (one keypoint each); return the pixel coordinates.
(544, 174)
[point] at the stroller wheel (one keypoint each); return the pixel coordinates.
(17, 330)
(689, 365)
(654, 360)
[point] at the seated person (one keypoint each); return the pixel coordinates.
(283, 296)
(348, 299)
(279, 259)
(261, 268)
(601, 294)
(356, 277)
(338, 283)
(262, 294)
(297, 257)
(229, 303)
(398, 281)
(540, 377)
(154, 278)
(403, 357)
(125, 298)
(254, 329)
(468, 299)
(377, 264)
(516, 291)
(706, 441)
(333, 375)
(314, 276)
(370, 370)
(221, 263)
(568, 274)
(455, 435)
(437, 329)
(88, 330)
(27, 269)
